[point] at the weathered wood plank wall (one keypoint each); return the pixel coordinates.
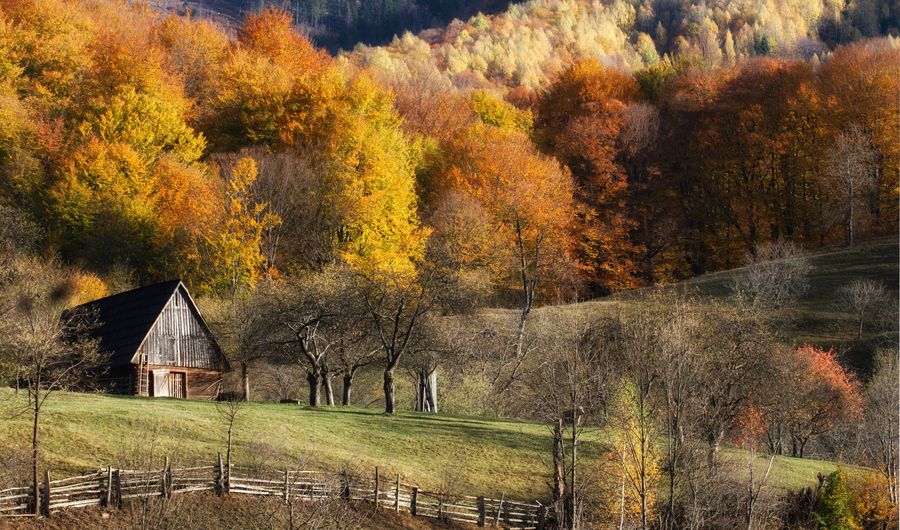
(179, 339)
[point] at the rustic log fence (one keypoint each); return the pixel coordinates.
(110, 487)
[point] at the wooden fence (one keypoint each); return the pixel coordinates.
(110, 487)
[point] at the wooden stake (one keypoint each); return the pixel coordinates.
(117, 476)
(109, 487)
(482, 516)
(220, 479)
(163, 486)
(499, 509)
(542, 518)
(376, 487)
(397, 495)
(412, 500)
(47, 492)
(287, 486)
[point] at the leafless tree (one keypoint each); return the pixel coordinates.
(48, 349)
(865, 299)
(682, 363)
(852, 168)
(882, 419)
(739, 355)
(303, 313)
(775, 275)
(396, 305)
(229, 409)
(242, 327)
(571, 396)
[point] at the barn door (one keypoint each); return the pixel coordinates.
(160, 383)
(177, 385)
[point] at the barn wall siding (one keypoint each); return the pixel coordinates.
(179, 339)
(201, 383)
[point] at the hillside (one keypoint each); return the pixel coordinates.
(480, 456)
(341, 25)
(819, 316)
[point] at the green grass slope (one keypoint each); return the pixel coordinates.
(819, 316)
(481, 456)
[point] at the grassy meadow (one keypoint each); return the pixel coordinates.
(479, 455)
(483, 456)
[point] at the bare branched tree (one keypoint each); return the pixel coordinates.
(776, 274)
(396, 306)
(571, 379)
(229, 409)
(882, 419)
(242, 327)
(852, 168)
(49, 350)
(866, 300)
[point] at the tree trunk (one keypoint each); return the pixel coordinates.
(313, 379)
(389, 391)
(431, 392)
(850, 217)
(426, 390)
(345, 394)
(420, 392)
(329, 393)
(35, 454)
(245, 379)
(559, 473)
(228, 456)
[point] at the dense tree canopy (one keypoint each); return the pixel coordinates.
(121, 129)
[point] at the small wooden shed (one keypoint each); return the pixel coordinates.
(158, 344)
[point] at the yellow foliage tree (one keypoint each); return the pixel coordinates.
(373, 162)
(633, 457)
(234, 246)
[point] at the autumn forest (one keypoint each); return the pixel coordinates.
(435, 200)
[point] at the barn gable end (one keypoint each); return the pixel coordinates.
(180, 337)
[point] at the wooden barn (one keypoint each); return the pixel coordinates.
(158, 344)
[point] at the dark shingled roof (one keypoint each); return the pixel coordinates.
(126, 318)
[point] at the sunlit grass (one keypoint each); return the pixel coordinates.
(485, 456)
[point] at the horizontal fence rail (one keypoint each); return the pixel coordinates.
(110, 487)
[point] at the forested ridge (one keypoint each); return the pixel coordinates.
(158, 146)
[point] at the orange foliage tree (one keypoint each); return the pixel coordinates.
(580, 119)
(811, 395)
(529, 200)
(859, 85)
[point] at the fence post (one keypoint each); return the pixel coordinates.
(287, 486)
(47, 492)
(109, 487)
(345, 485)
(376, 487)
(542, 518)
(117, 477)
(481, 513)
(499, 509)
(397, 495)
(164, 480)
(412, 500)
(220, 477)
